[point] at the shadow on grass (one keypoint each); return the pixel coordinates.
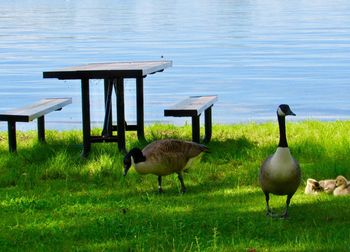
(229, 149)
(58, 158)
(224, 218)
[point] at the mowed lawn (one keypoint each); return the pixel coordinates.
(51, 199)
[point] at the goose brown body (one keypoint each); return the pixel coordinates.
(281, 179)
(164, 157)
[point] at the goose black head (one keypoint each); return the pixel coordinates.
(284, 110)
(136, 155)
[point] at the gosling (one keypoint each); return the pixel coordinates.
(280, 173)
(164, 157)
(312, 187)
(327, 185)
(342, 186)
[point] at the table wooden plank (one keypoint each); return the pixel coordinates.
(109, 70)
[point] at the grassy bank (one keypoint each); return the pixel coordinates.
(52, 199)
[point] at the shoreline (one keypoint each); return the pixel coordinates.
(77, 125)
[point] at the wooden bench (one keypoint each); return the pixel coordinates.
(28, 113)
(193, 107)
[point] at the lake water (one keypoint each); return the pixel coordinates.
(253, 54)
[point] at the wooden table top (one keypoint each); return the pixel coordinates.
(109, 70)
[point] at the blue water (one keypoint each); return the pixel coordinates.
(253, 54)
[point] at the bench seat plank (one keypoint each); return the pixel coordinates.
(35, 110)
(192, 106)
(30, 112)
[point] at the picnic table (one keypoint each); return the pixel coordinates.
(113, 74)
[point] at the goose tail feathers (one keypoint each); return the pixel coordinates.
(204, 148)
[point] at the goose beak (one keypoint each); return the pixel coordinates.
(290, 112)
(126, 169)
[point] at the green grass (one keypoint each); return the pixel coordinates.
(52, 199)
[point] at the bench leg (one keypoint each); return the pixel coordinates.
(41, 129)
(208, 125)
(12, 135)
(195, 129)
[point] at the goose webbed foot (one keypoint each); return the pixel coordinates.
(269, 213)
(284, 215)
(268, 209)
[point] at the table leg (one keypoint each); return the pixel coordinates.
(107, 125)
(119, 89)
(196, 129)
(140, 109)
(85, 101)
(208, 125)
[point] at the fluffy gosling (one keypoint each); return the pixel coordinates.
(327, 185)
(312, 187)
(342, 186)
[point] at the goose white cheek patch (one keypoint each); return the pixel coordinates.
(280, 112)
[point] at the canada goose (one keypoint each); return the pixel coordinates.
(327, 185)
(280, 173)
(342, 186)
(163, 157)
(312, 187)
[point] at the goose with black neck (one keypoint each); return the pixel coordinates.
(164, 157)
(280, 173)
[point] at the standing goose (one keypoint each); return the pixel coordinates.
(280, 173)
(163, 157)
(342, 186)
